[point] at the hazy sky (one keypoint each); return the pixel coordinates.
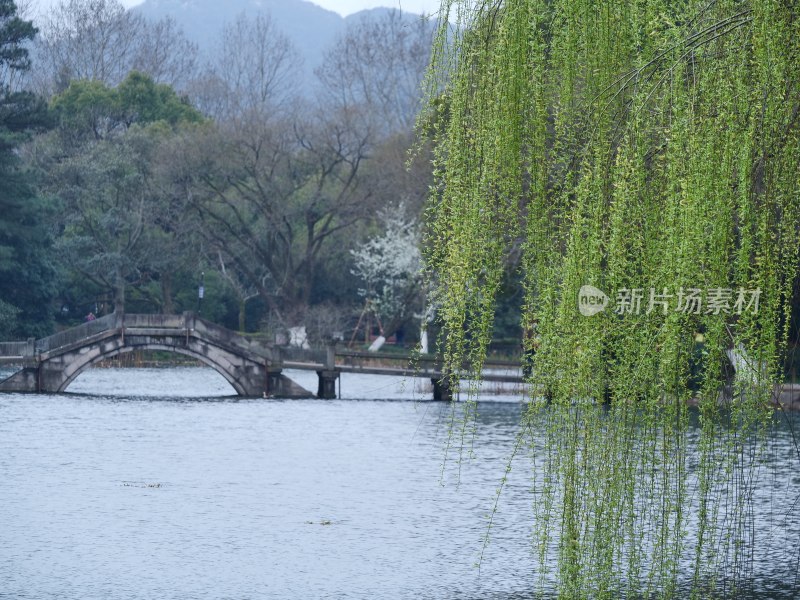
(346, 7)
(343, 7)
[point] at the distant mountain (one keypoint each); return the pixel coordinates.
(311, 28)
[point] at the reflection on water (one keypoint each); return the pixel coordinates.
(135, 485)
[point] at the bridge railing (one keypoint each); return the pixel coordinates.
(76, 334)
(224, 336)
(185, 322)
(14, 349)
(155, 321)
(311, 355)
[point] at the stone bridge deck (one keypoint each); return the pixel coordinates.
(52, 363)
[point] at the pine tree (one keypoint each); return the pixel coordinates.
(26, 274)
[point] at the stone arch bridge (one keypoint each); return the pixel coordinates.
(52, 363)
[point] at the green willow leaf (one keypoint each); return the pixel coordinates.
(650, 150)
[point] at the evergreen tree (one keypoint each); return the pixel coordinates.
(26, 274)
(121, 229)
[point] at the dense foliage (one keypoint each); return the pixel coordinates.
(26, 275)
(651, 151)
(162, 170)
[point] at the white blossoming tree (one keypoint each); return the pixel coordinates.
(389, 264)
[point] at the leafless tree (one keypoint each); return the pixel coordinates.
(240, 287)
(252, 73)
(87, 39)
(378, 65)
(100, 40)
(209, 93)
(271, 200)
(288, 175)
(164, 53)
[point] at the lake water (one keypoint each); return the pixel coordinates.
(157, 483)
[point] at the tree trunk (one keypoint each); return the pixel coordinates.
(167, 303)
(119, 294)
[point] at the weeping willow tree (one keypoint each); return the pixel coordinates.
(646, 155)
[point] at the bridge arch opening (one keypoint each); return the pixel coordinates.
(234, 386)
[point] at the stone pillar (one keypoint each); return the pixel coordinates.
(330, 357)
(273, 383)
(328, 376)
(327, 383)
(441, 389)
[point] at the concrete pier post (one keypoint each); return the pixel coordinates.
(274, 383)
(441, 389)
(327, 384)
(330, 357)
(328, 376)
